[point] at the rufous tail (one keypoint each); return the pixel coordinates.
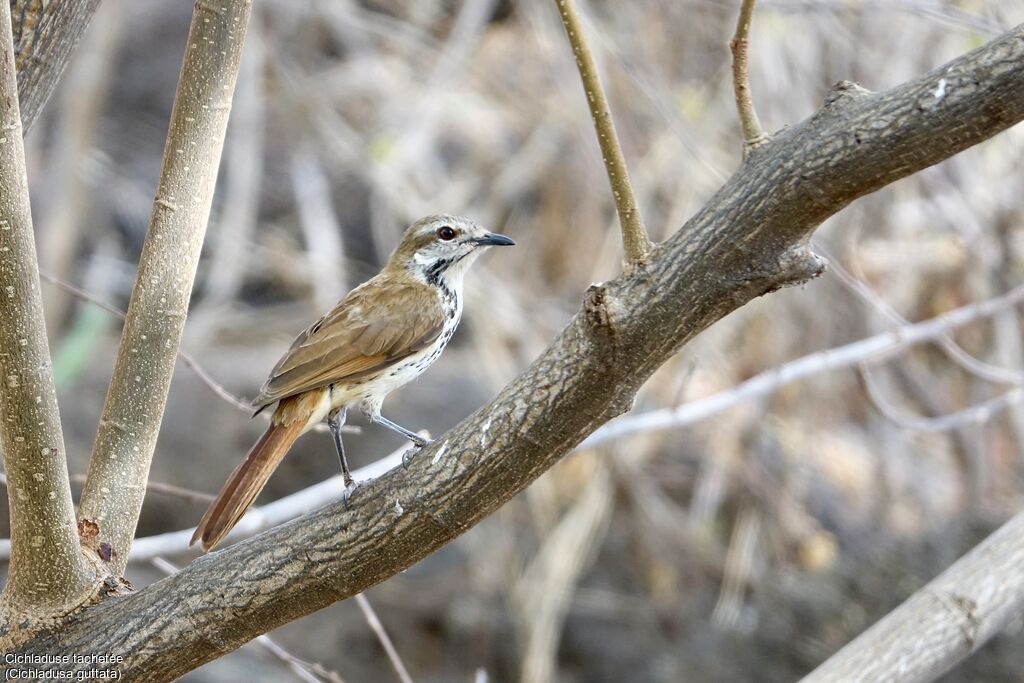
(245, 483)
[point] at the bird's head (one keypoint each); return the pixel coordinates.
(439, 249)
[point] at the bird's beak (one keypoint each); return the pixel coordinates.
(493, 239)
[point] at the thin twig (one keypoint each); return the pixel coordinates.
(635, 243)
(956, 353)
(378, 629)
(166, 489)
(978, 413)
(753, 133)
(738, 570)
(186, 357)
(877, 348)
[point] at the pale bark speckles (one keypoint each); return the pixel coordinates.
(115, 484)
(47, 571)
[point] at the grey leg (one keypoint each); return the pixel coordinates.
(335, 420)
(412, 436)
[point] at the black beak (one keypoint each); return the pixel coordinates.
(493, 239)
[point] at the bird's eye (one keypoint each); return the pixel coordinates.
(446, 232)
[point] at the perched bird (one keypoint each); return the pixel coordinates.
(382, 335)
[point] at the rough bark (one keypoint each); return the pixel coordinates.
(942, 623)
(119, 468)
(750, 239)
(45, 35)
(47, 571)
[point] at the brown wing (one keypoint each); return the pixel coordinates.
(374, 326)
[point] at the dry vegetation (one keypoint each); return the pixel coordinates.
(746, 546)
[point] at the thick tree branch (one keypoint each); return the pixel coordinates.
(750, 239)
(942, 623)
(878, 348)
(45, 35)
(753, 133)
(635, 243)
(48, 573)
(116, 481)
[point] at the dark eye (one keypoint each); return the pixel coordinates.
(446, 232)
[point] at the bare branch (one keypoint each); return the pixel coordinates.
(954, 351)
(943, 622)
(542, 595)
(385, 640)
(875, 349)
(164, 488)
(48, 573)
(753, 133)
(263, 517)
(242, 190)
(186, 358)
(635, 243)
(119, 467)
(978, 413)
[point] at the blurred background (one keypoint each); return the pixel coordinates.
(746, 546)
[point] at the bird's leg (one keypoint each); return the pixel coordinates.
(395, 427)
(335, 419)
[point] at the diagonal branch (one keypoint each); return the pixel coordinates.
(635, 243)
(116, 481)
(877, 348)
(942, 623)
(753, 133)
(748, 240)
(47, 570)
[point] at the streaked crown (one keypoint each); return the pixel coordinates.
(439, 249)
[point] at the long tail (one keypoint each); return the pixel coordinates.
(245, 483)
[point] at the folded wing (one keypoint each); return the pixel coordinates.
(371, 328)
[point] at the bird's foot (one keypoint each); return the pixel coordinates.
(407, 456)
(350, 488)
(418, 444)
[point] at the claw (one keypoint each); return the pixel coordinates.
(346, 496)
(407, 456)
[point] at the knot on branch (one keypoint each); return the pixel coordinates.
(794, 266)
(599, 310)
(116, 587)
(964, 611)
(844, 92)
(89, 533)
(798, 265)
(88, 530)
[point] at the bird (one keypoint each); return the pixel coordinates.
(382, 335)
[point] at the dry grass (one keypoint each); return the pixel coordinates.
(746, 547)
